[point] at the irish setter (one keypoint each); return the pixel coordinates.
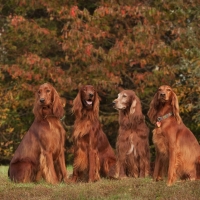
(41, 151)
(93, 155)
(177, 149)
(133, 138)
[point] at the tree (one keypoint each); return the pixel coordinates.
(112, 45)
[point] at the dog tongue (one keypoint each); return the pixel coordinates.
(89, 102)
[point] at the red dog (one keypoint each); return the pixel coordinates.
(133, 138)
(41, 152)
(93, 155)
(177, 149)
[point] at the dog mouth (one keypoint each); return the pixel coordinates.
(45, 107)
(119, 108)
(163, 99)
(88, 102)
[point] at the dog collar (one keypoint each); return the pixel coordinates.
(159, 119)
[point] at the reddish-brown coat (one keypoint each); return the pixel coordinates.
(41, 152)
(177, 149)
(93, 155)
(132, 145)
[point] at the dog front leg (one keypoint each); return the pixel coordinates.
(62, 168)
(157, 167)
(121, 165)
(122, 173)
(76, 166)
(94, 165)
(172, 166)
(47, 166)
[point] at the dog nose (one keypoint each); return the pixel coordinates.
(113, 102)
(91, 95)
(162, 94)
(42, 100)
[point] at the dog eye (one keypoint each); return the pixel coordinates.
(124, 95)
(168, 89)
(39, 92)
(48, 91)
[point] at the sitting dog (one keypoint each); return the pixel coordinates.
(41, 151)
(93, 155)
(177, 149)
(132, 145)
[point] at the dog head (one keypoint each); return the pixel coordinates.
(88, 95)
(126, 101)
(47, 102)
(164, 98)
(86, 102)
(164, 94)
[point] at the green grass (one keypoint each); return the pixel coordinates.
(127, 189)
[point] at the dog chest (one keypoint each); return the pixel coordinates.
(160, 141)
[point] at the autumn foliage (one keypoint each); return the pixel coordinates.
(112, 45)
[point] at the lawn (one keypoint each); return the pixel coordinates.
(130, 188)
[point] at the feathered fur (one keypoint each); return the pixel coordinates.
(93, 155)
(133, 138)
(41, 151)
(177, 150)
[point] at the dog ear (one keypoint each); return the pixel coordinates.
(132, 108)
(96, 104)
(57, 104)
(153, 108)
(136, 110)
(36, 111)
(77, 105)
(175, 107)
